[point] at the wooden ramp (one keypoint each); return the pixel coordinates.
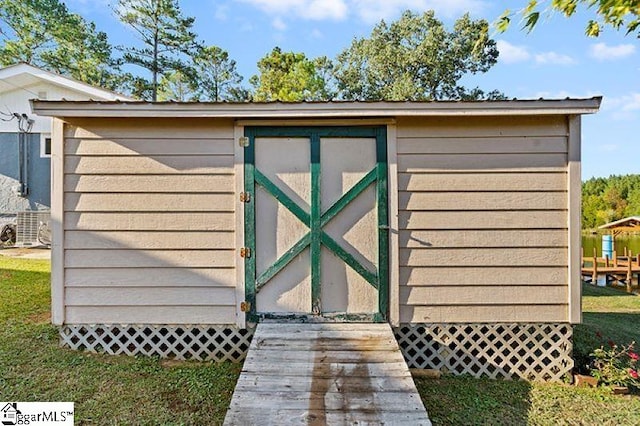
(325, 374)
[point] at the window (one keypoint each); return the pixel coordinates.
(45, 145)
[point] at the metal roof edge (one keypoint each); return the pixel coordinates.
(332, 109)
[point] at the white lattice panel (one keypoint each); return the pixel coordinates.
(528, 351)
(176, 342)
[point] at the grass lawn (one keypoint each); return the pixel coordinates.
(106, 389)
(125, 390)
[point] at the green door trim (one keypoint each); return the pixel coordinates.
(316, 220)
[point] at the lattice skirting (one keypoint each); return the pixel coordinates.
(529, 351)
(206, 343)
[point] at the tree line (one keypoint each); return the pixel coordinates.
(608, 199)
(413, 58)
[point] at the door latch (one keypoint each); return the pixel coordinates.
(245, 197)
(245, 306)
(245, 252)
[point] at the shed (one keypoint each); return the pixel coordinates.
(177, 226)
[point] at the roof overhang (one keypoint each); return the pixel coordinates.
(334, 109)
(24, 75)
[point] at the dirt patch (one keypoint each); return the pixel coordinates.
(40, 252)
(176, 363)
(40, 318)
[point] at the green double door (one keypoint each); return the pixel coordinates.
(316, 225)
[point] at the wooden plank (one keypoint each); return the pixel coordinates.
(324, 344)
(253, 382)
(420, 163)
(149, 258)
(151, 314)
(331, 401)
(150, 277)
(149, 221)
(75, 202)
(482, 200)
(548, 219)
(151, 128)
(484, 257)
(488, 313)
(483, 295)
(486, 276)
(150, 240)
(529, 126)
(482, 145)
(238, 167)
(57, 223)
(484, 238)
(327, 370)
(184, 184)
(142, 296)
(293, 328)
(394, 244)
(277, 356)
(158, 164)
(574, 206)
(339, 335)
(488, 181)
(145, 146)
(315, 417)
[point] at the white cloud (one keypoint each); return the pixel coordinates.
(604, 52)
(624, 107)
(307, 9)
(511, 53)
(370, 11)
(279, 24)
(222, 12)
(317, 34)
(554, 58)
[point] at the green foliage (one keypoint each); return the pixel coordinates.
(616, 365)
(617, 14)
(166, 36)
(289, 77)
(416, 58)
(177, 86)
(607, 199)
(45, 34)
(218, 78)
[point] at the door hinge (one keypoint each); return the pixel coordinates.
(245, 252)
(243, 141)
(245, 197)
(245, 306)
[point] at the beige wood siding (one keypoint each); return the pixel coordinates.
(482, 215)
(149, 221)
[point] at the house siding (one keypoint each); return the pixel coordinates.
(38, 175)
(149, 221)
(483, 220)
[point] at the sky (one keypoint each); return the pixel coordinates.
(555, 60)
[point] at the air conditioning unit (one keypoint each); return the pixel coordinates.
(33, 229)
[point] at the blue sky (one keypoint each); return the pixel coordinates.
(556, 60)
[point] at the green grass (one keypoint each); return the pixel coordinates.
(106, 389)
(125, 390)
